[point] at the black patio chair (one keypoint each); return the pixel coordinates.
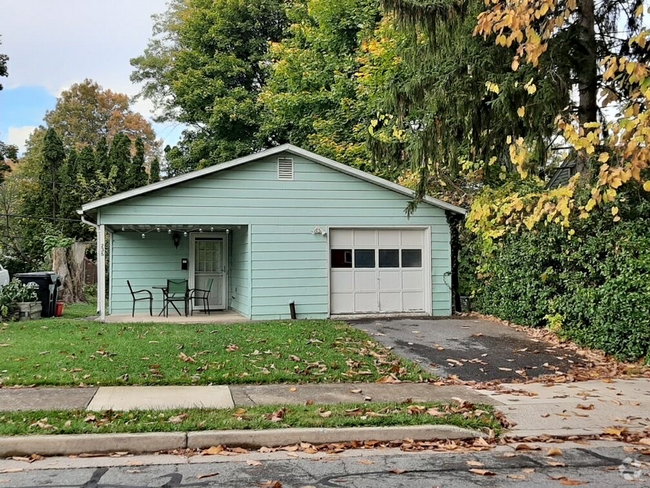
(134, 296)
(203, 295)
(176, 291)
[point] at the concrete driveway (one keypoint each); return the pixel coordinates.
(470, 349)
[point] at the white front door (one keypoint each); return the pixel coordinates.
(378, 270)
(209, 262)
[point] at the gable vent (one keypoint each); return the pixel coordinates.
(285, 169)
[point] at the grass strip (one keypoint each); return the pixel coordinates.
(259, 417)
(68, 352)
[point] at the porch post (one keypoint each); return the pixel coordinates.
(101, 271)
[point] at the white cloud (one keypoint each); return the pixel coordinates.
(19, 135)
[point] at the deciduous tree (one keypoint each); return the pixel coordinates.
(205, 67)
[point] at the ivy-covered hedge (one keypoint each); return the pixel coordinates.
(592, 287)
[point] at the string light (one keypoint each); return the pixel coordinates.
(171, 230)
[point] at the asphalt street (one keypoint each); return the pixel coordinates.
(600, 465)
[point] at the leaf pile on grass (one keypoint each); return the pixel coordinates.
(67, 353)
(259, 417)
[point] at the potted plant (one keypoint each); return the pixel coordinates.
(16, 296)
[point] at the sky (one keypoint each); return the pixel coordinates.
(52, 44)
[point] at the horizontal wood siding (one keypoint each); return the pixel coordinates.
(288, 262)
(146, 263)
(238, 282)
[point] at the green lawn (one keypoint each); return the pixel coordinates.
(73, 352)
(80, 310)
(262, 417)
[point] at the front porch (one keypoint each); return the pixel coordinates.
(147, 256)
(225, 317)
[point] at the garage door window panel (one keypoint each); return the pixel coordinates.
(389, 258)
(364, 258)
(411, 258)
(341, 258)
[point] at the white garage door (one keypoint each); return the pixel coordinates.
(377, 270)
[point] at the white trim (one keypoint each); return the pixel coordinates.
(427, 258)
(101, 272)
(250, 271)
(191, 264)
(428, 285)
(263, 154)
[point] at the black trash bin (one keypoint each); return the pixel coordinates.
(46, 284)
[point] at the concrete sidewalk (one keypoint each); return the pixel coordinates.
(584, 408)
(121, 398)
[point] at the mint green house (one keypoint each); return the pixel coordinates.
(279, 226)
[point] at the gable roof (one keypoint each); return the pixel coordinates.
(290, 148)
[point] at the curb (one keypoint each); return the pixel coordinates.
(285, 437)
(65, 445)
(54, 445)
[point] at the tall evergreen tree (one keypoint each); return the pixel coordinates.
(137, 174)
(86, 163)
(154, 170)
(101, 157)
(46, 202)
(119, 159)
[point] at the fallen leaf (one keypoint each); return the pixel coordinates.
(326, 414)
(11, 470)
(615, 431)
(388, 379)
(397, 471)
(555, 464)
(356, 391)
(526, 447)
(253, 462)
(270, 484)
(554, 451)
(213, 451)
(292, 389)
(475, 463)
(207, 475)
(177, 419)
(232, 347)
(645, 441)
(135, 463)
(519, 477)
(528, 470)
(591, 406)
(482, 472)
(569, 482)
(184, 357)
(367, 462)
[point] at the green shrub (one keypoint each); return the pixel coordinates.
(594, 287)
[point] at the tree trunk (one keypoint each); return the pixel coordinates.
(587, 71)
(69, 265)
